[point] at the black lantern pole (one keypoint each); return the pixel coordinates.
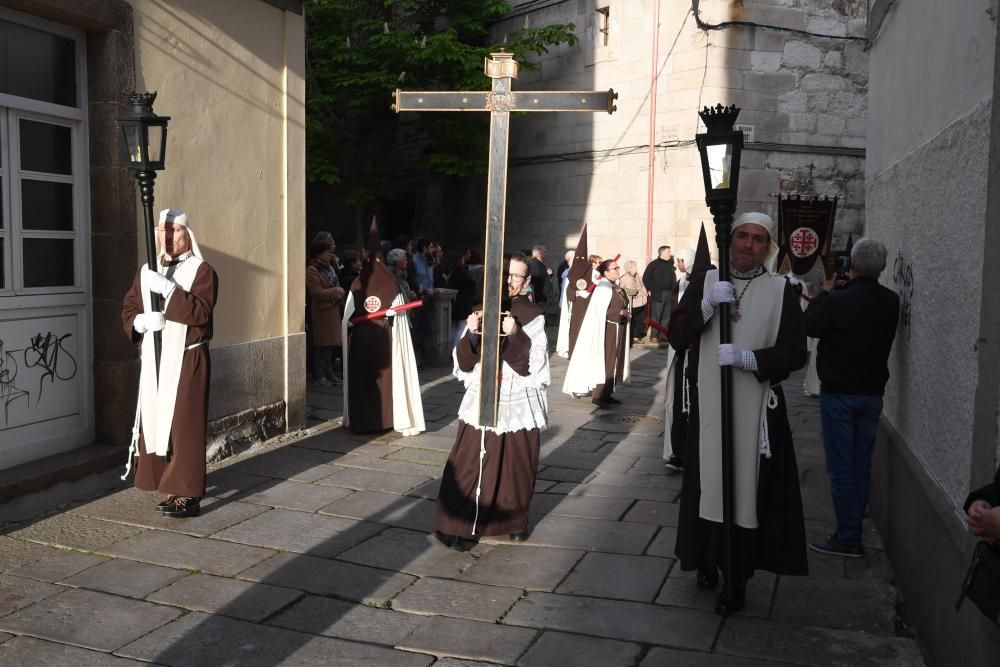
(144, 137)
(720, 147)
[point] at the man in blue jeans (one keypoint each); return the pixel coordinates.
(855, 325)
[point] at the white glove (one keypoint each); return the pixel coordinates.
(736, 356)
(721, 292)
(157, 283)
(390, 313)
(144, 322)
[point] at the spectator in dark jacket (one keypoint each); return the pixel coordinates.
(660, 280)
(855, 326)
(982, 508)
(540, 274)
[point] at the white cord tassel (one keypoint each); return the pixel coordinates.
(133, 447)
(479, 480)
(765, 442)
(685, 389)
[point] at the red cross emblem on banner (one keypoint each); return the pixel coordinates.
(803, 242)
(372, 304)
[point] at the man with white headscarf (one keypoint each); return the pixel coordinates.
(768, 343)
(172, 411)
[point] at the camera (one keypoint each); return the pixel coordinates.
(843, 266)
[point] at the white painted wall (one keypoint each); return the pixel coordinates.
(930, 104)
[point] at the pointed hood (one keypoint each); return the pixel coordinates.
(375, 288)
(580, 269)
(702, 257)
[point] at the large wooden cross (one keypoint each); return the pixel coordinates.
(499, 102)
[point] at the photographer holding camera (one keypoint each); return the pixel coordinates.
(855, 324)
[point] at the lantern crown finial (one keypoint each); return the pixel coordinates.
(142, 102)
(719, 118)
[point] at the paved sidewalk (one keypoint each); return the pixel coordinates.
(313, 550)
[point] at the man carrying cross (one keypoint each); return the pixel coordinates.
(489, 478)
(768, 344)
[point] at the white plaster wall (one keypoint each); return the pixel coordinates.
(931, 62)
(793, 89)
(232, 83)
(929, 209)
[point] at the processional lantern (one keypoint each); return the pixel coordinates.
(144, 134)
(720, 148)
(144, 140)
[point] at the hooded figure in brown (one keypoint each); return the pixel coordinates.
(172, 411)
(579, 285)
(381, 386)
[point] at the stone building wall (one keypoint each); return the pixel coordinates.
(804, 95)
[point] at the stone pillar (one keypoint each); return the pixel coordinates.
(439, 352)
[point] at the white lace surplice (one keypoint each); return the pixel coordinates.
(523, 404)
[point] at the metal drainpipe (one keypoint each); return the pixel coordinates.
(652, 129)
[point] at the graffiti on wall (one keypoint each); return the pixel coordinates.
(902, 275)
(38, 370)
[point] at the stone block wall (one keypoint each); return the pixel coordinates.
(804, 95)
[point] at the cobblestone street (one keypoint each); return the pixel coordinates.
(313, 550)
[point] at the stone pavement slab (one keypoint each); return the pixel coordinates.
(88, 619)
(429, 457)
(591, 507)
(57, 565)
(658, 657)
(591, 534)
(200, 640)
(630, 621)
(293, 495)
(638, 480)
(302, 532)
(5, 637)
(23, 650)
(138, 508)
(664, 542)
(229, 597)
(557, 474)
(610, 463)
(461, 599)
(522, 567)
(560, 648)
(341, 440)
(226, 483)
(606, 491)
(125, 577)
(330, 577)
(304, 465)
(616, 576)
(402, 467)
(408, 551)
(347, 620)
(182, 551)
(849, 604)
(471, 640)
(811, 645)
(14, 553)
(75, 532)
(17, 592)
(372, 480)
(650, 511)
(386, 508)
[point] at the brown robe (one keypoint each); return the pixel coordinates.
(182, 471)
(778, 544)
(511, 462)
(369, 354)
(616, 343)
(325, 309)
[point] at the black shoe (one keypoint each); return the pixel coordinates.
(674, 463)
(725, 606)
(519, 537)
(165, 503)
(708, 580)
(453, 542)
(832, 547)
(183, 508)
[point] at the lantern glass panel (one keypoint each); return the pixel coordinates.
(155, 146)
(133, 141)
(720, 161)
